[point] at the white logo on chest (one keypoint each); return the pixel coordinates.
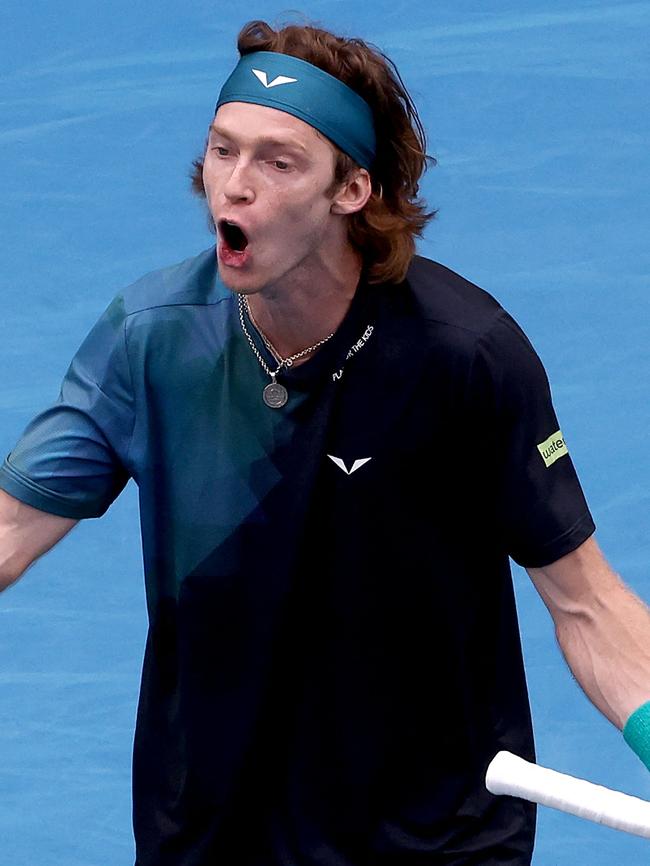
(356, 465)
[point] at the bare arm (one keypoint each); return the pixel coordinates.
(25, 534)
(603, 629)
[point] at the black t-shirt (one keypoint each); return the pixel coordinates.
(399, 672)
(333, 655)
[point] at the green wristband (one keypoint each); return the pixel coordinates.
(637, 732)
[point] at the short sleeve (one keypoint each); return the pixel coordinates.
(539, 507)
(72, 459)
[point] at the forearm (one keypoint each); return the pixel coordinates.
(9, 572)
(607, 647)
(603, 630)
(25, 534)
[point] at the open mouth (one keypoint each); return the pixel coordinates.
(233, 236)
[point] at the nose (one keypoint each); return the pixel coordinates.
(238, 187)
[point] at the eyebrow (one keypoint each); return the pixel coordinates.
(281, 142)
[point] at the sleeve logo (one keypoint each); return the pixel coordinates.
(552, 448)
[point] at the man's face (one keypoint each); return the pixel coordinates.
(268, 172)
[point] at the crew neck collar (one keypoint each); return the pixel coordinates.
(331, 356)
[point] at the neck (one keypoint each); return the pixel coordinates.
(307, 307)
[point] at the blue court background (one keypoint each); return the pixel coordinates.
(539, 116)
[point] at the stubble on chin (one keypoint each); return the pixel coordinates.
(237, 286)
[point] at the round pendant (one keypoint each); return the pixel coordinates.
(275, 395)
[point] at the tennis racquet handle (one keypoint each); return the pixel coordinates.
(509, 774)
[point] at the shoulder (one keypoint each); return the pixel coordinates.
(458, 314)
(168, 293)
(445, 298)
(469, 331)
(193, 281)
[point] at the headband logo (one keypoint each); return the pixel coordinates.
(280, 79)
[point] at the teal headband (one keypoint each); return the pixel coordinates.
(292, 85)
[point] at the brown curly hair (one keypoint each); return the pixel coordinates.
(384, 231)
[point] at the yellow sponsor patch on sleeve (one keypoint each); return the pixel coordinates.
(552, 448)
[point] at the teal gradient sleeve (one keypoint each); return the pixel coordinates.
(72, 459)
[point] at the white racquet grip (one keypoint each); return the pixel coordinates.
(508, 774)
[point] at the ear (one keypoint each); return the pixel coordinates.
(353, 193)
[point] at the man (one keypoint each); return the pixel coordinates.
(337, 445)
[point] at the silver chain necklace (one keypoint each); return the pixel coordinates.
(274, 394)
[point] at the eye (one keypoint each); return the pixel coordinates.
(281, 164)
(221, 151)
